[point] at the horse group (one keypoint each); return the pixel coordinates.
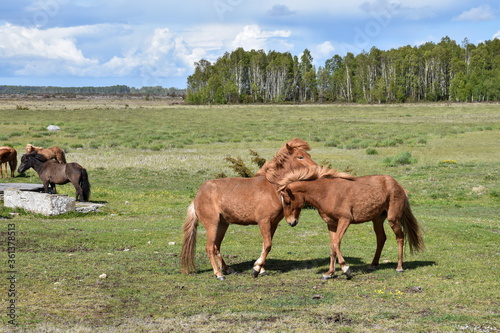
(280, 189)
(50, 165)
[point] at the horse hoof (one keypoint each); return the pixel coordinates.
(370, 268)
(327, 277)
(347, 271)
(221, 278)
(255, 273)
(263, 274)
(400, 270)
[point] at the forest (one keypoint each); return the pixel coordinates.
(109, 90)
(446, 71)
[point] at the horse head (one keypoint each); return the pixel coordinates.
(292, 206)
(292, 156)
(31, 160)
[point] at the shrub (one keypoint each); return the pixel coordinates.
(371, 151)
(403, 158)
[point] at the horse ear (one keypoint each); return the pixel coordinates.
(289, 193)
(289, 148)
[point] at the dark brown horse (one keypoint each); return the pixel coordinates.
(342, 201)
(8, 155)
(55, 152)
(52, 173)
(244, 201)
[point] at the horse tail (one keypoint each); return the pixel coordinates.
(189, 241)
(61, 158)
(13, 163)
(85, 185)
(412, 229)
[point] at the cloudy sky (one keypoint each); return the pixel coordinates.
(156, 42)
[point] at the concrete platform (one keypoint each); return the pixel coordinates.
(21, 187)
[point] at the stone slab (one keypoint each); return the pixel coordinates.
(40, 203)
(21, 186)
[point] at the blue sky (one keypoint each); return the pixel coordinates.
(149, 43)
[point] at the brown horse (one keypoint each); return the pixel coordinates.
(8, 155)
(342, 201)
(52, 173)
(50, 153)
(244, 201)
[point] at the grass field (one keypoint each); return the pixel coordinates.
(146, 161)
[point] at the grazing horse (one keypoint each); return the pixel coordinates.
(244, 201)
(342, 201)
(52, 173)
(50, 153)
(8, 155)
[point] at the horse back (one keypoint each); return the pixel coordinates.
(237, 200)
(7, 154)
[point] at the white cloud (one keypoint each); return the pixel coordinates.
(481, 13)
(33, 43)
(323, 50)
(497, 35)
(252, 37)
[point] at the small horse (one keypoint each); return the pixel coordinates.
(50, 153)
(52, 173)
(244, 201)
(8, 155)
(342, 201)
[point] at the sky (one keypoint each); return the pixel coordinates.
(156, 43)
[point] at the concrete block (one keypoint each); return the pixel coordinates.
(40, 203)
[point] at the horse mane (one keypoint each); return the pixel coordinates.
(311, 174)
(271, 169)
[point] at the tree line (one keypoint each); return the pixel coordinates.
(109, 90)
(445, 71)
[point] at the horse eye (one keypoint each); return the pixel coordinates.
(301, 158)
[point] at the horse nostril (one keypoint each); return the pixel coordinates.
(293, 223)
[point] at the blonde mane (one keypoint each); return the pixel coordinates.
(311, 174)
(273, 169)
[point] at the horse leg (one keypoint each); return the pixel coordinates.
(332, 228)
(1, 172)
(46, 186)
(212, 250)
(273, 230)
(78, 190)
(267, 232)
(53, 186)
(221, 231)
(378, 227)
(395, 223)
(336, 234)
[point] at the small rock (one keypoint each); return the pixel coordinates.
(53, 128)
(127, 203)
(171, 243)
(416, 289)
(317, 297)
(103, 276)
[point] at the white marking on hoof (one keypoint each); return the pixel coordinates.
(400, 270)
(221, 278)
(327, 277)
(347, 271)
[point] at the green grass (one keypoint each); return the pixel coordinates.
(146, 163)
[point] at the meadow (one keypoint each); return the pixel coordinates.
(146, 161)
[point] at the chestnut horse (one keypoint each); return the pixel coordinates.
(8, 155)
(52, 173)
(50, 153)
(342, 201)
(244, 201)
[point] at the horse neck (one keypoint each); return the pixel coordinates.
(312, 191)
(36, 165)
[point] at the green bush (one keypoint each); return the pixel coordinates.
(403, 158)
(371, 151)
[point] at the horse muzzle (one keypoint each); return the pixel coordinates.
(293, 223)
